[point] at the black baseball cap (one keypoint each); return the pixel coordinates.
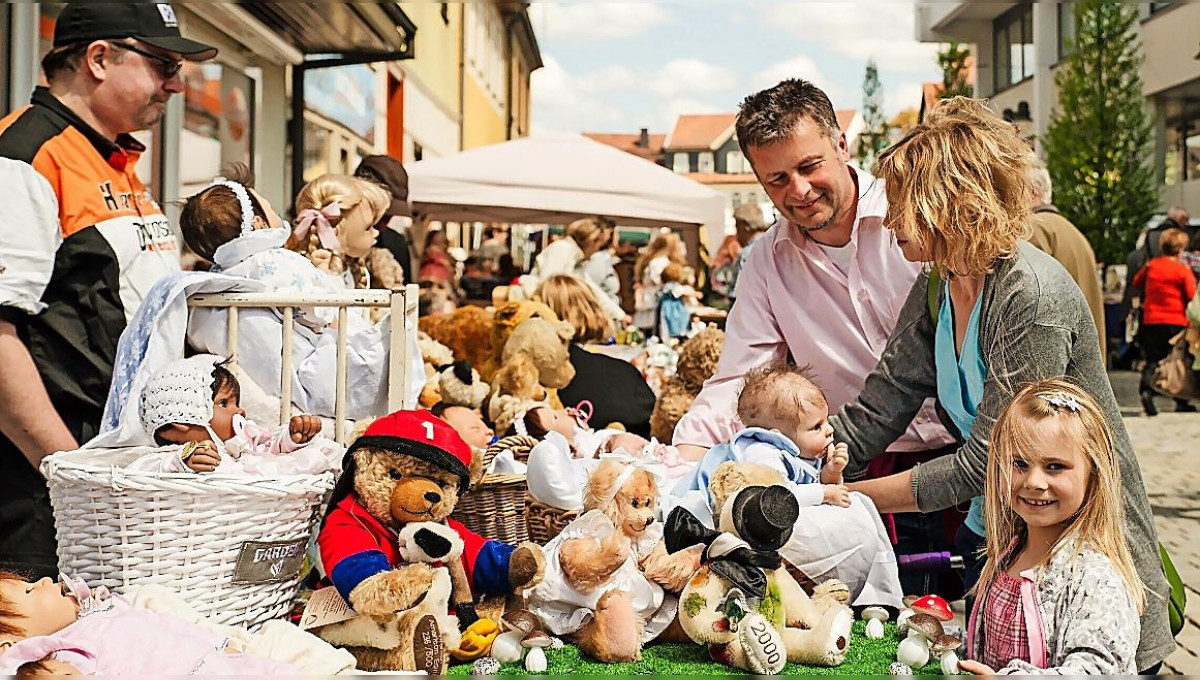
(153, 23)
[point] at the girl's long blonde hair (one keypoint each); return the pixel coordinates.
(664, 243)
(1100, 522)
(348, 192)
(958, 186)
(573, 301)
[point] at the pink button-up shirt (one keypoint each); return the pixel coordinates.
(791, 298)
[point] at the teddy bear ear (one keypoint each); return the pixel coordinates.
(566, 332)
(476, 468)
(359, 428)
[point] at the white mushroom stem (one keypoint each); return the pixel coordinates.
(535, 660)
(949, 663)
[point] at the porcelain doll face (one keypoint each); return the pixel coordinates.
(42, 607)
(356, 230)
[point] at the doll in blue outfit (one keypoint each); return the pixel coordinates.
(786, 427)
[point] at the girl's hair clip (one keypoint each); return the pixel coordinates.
(1061, 399)
(243, 198)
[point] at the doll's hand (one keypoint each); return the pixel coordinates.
(321, 259)
(304, 428)
(838, 457)
(975, 668)
(837, 494)
(200, 456)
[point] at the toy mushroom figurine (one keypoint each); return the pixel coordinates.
(902, 623)
(522, 620)
(508, 646)
(875, 618)
(922, 630)
(944, 648)
(536, 642)
(933, 605)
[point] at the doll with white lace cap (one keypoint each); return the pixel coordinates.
(194, 402)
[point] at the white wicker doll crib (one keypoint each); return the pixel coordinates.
(232, 547)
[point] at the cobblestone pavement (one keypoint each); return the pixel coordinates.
(1168, 449)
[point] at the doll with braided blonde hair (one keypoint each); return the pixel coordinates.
(335, 224)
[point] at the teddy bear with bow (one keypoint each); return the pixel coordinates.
(610, 584)
(410, 467)
(743, 602)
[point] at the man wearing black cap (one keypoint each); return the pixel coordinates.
(83, 242)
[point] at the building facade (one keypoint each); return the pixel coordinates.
(1018, 47)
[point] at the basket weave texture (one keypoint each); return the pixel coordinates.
(496, 507)
(546, 522)
(121, 528)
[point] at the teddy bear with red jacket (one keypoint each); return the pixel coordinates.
(410, 467)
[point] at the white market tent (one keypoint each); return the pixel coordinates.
(556, 179)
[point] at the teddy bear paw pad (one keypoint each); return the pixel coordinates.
(763, 645)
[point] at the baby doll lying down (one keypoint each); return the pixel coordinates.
(62, 628)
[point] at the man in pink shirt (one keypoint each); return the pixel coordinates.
(824, 286)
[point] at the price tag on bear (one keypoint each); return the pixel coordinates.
(326, 606)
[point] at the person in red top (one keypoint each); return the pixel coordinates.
(1167, 285)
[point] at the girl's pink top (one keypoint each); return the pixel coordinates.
(1004, 625)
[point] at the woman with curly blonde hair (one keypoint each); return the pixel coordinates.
(993, 315)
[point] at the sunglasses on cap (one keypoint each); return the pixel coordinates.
(167, 67)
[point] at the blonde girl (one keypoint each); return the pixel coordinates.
(664, 249)
(336, 218)
(1059, 592)
(574, 302)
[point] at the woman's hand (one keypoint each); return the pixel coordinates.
(975, 668)
(304, 428)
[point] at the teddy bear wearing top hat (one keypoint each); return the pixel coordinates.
(409, 467)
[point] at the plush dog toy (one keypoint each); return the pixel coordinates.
(410, 467)
(743, 603)
(610, 584)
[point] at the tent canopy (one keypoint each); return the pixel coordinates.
(556, 179)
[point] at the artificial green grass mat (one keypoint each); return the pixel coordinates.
(865, 657)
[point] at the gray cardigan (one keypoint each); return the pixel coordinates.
(1034, 324)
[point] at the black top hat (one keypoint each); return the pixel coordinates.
(764, 516)
(152, 23)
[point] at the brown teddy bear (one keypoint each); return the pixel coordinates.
(467, 332)
(697, 363)
(610, 584)
(536, 360)
(744, 602)
(505, 321)
(410, 467)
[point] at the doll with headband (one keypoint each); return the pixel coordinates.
(233, 226)
(335, 224)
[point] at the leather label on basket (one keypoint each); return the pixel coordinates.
(263, 562)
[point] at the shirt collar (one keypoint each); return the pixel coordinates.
(116, 153)
(251, 243)
(871, 204)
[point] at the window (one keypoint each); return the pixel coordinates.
(1012, 45)
(681, 164)
(1066, 28)
(1159, 6)
(735, 163)
(1182, 161)
(706, 162)
(218, 123)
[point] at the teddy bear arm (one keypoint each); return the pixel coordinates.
(672, 572)
(392, 591)
(588, 563)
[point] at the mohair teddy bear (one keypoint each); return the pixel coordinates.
(409, 467)
(505, 321)
(536, 361)
(698, 359)
(467, 332)
(610, 584)
(743, 602)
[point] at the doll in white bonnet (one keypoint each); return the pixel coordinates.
(194, 402)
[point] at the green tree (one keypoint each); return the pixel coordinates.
(952, 59)
(873, 137)
(1098, 144)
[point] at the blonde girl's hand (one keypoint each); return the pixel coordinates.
(974, 668)
(837, 494)
(200, 456)
(304, 428)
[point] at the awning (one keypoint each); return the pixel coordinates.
(338, 28)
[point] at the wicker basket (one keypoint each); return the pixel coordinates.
(496, 507)
(546, 522)
(232, 547)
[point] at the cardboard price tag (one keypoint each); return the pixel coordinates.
(326, 606)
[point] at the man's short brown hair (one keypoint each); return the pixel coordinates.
(772, 115)
(65, 59)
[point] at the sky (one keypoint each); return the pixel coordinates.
(619, 67)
